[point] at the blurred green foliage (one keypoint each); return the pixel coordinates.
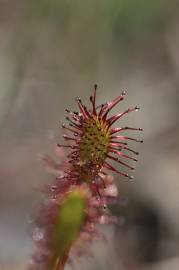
(81, 36)
(138, 20)
(127, 19)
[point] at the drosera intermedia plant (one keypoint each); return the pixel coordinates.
(77, 200)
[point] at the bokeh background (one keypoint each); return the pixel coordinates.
(54, 50)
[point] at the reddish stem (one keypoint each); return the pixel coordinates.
(60, 265)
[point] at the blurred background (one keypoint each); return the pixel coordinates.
(54, 50)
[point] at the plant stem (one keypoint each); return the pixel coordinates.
(61, 262)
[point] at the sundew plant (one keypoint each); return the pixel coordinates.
(78, 199)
